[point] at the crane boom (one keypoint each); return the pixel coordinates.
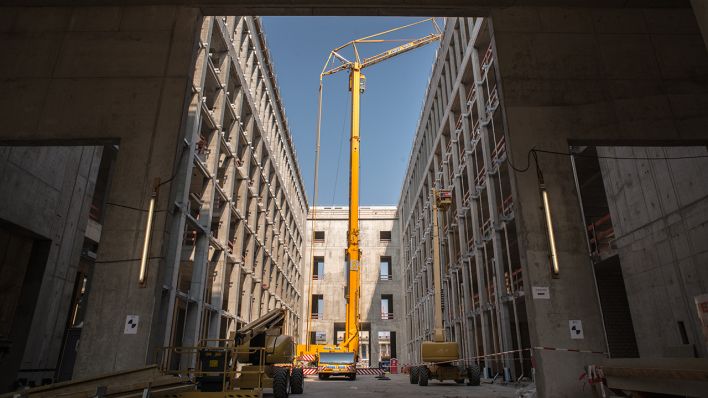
(350, 343)
(400, 49)
(409, 45)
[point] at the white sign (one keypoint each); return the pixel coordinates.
(131, 324)
(576, 329)
(541, 292)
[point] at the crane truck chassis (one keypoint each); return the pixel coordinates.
(336, 364)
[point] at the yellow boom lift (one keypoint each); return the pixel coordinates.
(441, 357)
(341, 359)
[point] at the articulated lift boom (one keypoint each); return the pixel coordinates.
(337, 63)
(440, 356)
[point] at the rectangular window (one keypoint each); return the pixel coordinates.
(317, 306)
(319, 236)
(385, 236)
(384, 346)
(364, 348)
(318, 268)
(385, 271)
(318, 337)
(386, 306)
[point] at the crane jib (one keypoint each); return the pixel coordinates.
(352, 290)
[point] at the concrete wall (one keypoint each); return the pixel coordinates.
(333, 221)
(659, 212)
(46, 191)
(136, 76)
(106, 73)
(700, 8)
(582, 75)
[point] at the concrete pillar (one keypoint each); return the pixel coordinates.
(92, 75)
(700, 8)
(581, 75)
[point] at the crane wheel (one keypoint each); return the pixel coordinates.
(473, 375)
(280, 382)
(297, 381)
(413, 375)
(423, 374)
(352, 376)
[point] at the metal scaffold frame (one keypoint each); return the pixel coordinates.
(461, 146)
(239, 197)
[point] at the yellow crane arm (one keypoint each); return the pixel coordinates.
(346, 64)
(350, 343)
(400, 49)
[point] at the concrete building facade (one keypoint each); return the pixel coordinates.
(228, 227)
(461, 145)
(234, 221)
(544, 79)
(381, 306)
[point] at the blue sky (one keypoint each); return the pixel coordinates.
(389, 111)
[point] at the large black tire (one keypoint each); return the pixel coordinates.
(297, 381)
(413, 375)
(352, 376)
(280, 382)
(423, 374)
(322, 376)
(473, 375)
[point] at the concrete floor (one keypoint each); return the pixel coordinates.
(398, 386)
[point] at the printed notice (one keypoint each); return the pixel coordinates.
(541, 292)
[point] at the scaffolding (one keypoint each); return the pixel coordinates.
(239, 191)
(461, 146)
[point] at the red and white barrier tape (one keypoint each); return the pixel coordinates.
(359, 371)
(496, 354)
(369, 371)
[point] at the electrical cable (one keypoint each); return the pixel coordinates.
(528, 162)
(126, 260)
(314, 214)
(131, 207)
(167, 180)
(533, 152)
(580, 155)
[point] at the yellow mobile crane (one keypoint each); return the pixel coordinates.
(341, 359)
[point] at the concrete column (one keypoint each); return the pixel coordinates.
(700, 8)
(582, 75)
(103, 73)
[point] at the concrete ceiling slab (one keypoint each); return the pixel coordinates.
(361, 7)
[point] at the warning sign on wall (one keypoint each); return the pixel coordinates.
(576, 329)
(541, 292)
(131, 324)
